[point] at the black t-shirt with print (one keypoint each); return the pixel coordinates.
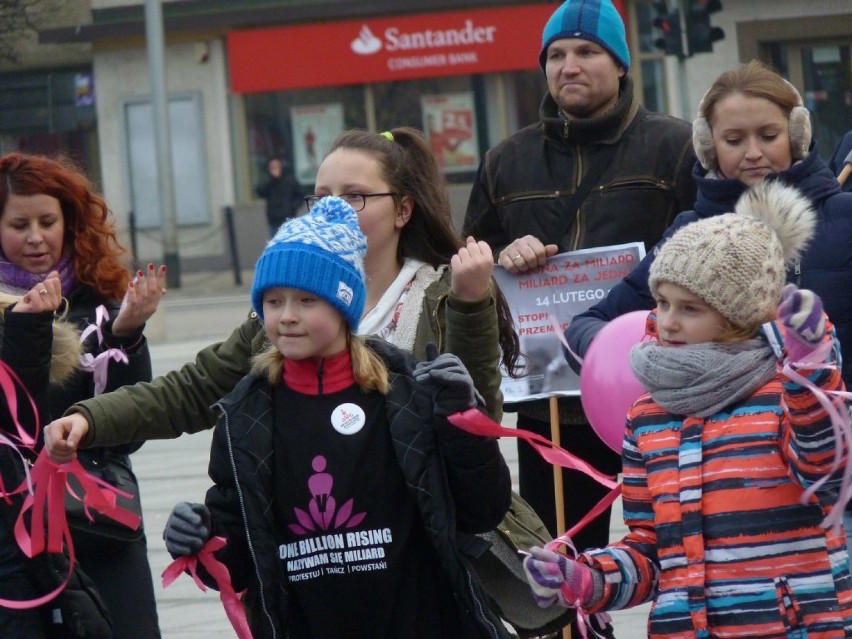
(351, 542)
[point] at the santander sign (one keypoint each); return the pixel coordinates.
(387, 48)
(396, 40)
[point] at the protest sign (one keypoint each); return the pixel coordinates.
(544, 300)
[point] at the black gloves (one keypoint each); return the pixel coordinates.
(187, 529)
(451, 386)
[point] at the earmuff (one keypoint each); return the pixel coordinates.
(799, 132)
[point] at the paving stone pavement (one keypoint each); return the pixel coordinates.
(205, 310)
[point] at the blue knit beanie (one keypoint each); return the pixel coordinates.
(594, 20)
(321, 252)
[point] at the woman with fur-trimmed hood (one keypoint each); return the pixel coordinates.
(41, 353)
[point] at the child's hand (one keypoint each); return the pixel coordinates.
(187, 529)
(471, 271)
(554, 578)
(801, 314)
(43, 297)
(449, 382)
(62, 437)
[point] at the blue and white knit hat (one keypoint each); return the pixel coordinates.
(594, 20)
(321, 252)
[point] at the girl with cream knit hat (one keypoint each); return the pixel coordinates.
(728, 462)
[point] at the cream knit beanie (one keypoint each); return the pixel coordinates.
(736, 262)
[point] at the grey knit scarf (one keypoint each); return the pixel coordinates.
(701, 379)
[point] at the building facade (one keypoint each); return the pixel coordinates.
(284, 77)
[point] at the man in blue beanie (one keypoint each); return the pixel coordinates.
(597, 169)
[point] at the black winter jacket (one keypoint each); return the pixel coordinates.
(523, 185)
(283, 197)
(825, 267)
(524, 182)
(460, 482)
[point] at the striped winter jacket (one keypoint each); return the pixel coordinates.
(718, 537)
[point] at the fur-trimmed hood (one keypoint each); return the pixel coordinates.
(66, 344)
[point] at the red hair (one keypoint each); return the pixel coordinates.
(90, 230)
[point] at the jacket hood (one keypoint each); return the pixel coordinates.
(67, 349)
(811, 176)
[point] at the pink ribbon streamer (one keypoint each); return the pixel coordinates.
(475, 422)
(18, 438)
(99, 366)
(230, 598)
(48, 523)
(8, 379)
(45, 486)
(583, 617)
(841, 424)
(27, 604)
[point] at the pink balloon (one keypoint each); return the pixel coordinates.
(608, 387)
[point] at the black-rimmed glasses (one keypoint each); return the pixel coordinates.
(356, 200)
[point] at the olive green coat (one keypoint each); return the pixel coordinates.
(180, 401)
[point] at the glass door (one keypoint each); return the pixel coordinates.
(823, 73)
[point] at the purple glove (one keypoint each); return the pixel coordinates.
(800, 312)
(554, 578)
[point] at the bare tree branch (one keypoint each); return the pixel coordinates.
(20, 21)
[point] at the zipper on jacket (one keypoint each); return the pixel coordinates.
(480, 608)
(249, 544)
(797, 271)
(436, 320)
(320, 375)
(657, 184)
(574, 244)
(539, 195)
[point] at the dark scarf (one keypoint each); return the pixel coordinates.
(16, 280)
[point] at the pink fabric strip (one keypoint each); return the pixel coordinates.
(39, 601)
(48, 524)
(583, 624)
(99, 366)
(475, 422)
(841, 425)
(8, 379)
(234, 608)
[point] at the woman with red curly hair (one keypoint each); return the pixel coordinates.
(51, 219)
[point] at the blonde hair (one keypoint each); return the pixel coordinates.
(368, 369)
(731, 333)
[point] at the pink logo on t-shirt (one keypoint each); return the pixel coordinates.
(322, 513)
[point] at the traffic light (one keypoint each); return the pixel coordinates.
(669, 25)
(700, 34)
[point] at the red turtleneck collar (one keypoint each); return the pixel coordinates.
(319, 375)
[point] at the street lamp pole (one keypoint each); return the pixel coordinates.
(159, 101)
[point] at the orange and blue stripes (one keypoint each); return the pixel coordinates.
(719, 538)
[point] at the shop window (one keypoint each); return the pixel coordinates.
(190, 182)
(444, 109)
(51, 113)
(299, 126)
(827, 94)
(529, 89)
